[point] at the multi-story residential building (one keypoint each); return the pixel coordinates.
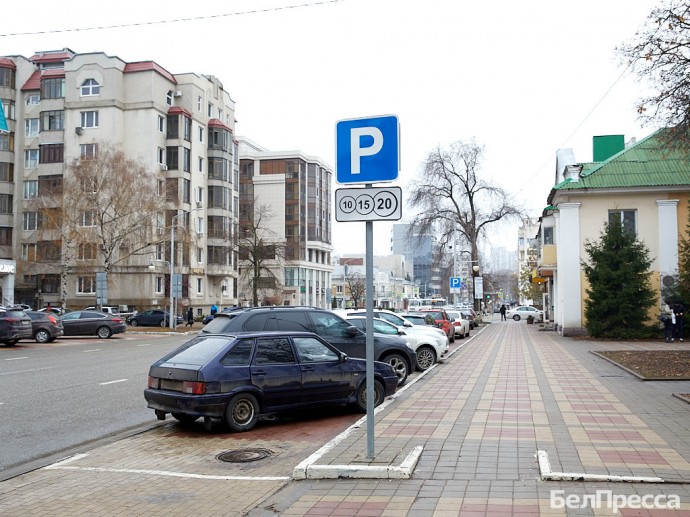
(644, 185)
(60, 107)
(292, 191)
(527, 251)
(419, 250)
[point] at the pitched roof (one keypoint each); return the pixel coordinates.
(142, 66)
(648, 163)
(7, 63)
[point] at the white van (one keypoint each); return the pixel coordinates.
(108, 309)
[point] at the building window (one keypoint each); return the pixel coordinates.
(31, 127)
(52, 120)
(186, 191)
(548, 235)
(161, 124)
(86, 285)
(89, 119)
(187, 128)
(90, 87)
(200, 195)
(88, 151)
(8, 108)
(186, 160)
(199, 102)
(87, 218)
(87, 251)
(6, 235)
(199, 225)
(171, 158)
(52, 153)
(161, 156)
(169, 98)
(30, 221)
(160, 285)
(210, 109)
(201, 164)
(7, 172)
(173, 127)
(6, 203)
(53, 88)
(199, 285)
(30, 158)
(7, 77)
(6, 141)
(200, 255)
(626, 218)
(29, 252)
(33, 99)
(31, 189)
(201, 134)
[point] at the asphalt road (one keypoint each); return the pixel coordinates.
(59, 395)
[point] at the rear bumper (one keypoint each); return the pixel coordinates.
(196, 405)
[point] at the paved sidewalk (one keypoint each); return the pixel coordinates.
(471, 428)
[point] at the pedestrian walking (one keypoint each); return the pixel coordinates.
(668, 320)
(214, 309)
(678, 310)
(190, 317)
(502, 310)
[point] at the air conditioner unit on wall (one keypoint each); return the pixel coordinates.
(79, 130)
(177, 93)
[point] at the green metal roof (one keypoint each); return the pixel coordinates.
(645, 164)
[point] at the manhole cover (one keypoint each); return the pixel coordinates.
(244, 455)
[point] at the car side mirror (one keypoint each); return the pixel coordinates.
(343, 358)
(352, 331)
(452, 320)
(408, 324)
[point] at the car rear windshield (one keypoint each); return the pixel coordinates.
(199, 351)
(217, 325)
(12, 313)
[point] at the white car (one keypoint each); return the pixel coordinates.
(399, 321)
(521, 312)
(426, 348)
(462, 325)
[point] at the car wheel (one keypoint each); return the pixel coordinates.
(516, 317)
(42, 336)
(426, 357)
(452, 337)
(134, 323)
(184, 419)
(242, 412)
(104, 332)
(468, 332)
(379, 395)
(163, 323)
(399, 365)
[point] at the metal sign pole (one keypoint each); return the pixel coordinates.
(370, 336)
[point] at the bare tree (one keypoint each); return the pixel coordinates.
(659, 54)
(102, 212)
(452, 202)
(356, 285)
(261, 253)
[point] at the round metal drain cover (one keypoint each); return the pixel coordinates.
(244, 455)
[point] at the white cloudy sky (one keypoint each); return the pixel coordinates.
(522, 78)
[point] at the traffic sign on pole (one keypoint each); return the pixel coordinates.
(367, 149)
(368, 204)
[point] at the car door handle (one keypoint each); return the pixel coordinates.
(307, 368)
(259, 372)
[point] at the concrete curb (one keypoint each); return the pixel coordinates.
(547, 474)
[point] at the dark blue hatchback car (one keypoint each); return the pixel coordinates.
(238, 377)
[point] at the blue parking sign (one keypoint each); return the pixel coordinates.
(367, 149)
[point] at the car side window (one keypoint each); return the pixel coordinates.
(71, 316)
(261, 321)
(385, 328)
(326, 324)
(292, 320)
(274, 351)
(240, 354)
(311, 350)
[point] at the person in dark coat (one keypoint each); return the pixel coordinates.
(678, 310)
(502, 310)
(190, 317)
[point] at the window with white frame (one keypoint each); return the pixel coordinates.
(30, 158)
(33, 99)
(201, 134)
(31, 189)
(199, 285)
(29, 252)
(86, 285)
(87, 218)
(201, 164)
(32, 127)
(161, 124)
(31, 221)
(548, 235)
(199, 102)
(88, 151)
(200, 255)
(89, 119)
(169, 98)
(87, 251)
(161, 156)
(210, 109)
(200, 194)
(200, 225)
(626, 218)
(159, 252)
(159, 285)
(90, 87)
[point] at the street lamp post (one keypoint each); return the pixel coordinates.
(173, 317)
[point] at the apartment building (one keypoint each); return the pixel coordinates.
(292, 191)
(61, 107)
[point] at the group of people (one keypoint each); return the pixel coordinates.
(190, 315)
(672, 318)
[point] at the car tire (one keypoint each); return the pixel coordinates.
(379, 395)
(134, 322)
(184, 419)
(426, 357)
(104, 332)
(468, 332)
(516, 317)
(242, 412)
(163, 323)
(42, 336)
(400, 366)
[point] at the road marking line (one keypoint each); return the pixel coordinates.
(113, 382)
(93, 350)
(28, 371)
(62, 465)
(145, 344)
(15, 358)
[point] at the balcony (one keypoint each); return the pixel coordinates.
(548, 262)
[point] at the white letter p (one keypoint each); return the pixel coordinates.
(356, 152)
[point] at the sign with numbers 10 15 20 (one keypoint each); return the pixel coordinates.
(368, 204)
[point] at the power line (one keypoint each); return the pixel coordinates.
(176, 20)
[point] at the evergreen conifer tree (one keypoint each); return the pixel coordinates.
(619, 292)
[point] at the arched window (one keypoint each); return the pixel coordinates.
(90, 87)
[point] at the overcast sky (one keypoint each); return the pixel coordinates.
(521, 78)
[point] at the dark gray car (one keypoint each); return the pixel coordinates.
(346, 338)
(14, 325)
